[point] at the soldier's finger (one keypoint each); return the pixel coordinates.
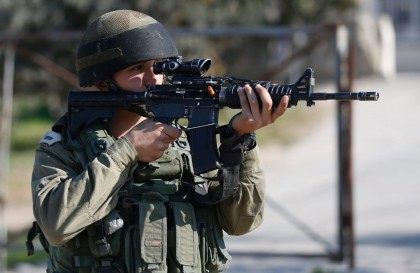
(266, 103)
(171, 131)
(253, 102)
(281, 108)
(246, 112)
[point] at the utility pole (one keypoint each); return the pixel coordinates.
(344, 82)
(5, 134)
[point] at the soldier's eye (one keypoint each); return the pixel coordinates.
(138, 67)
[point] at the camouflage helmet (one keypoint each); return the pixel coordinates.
(117, 40)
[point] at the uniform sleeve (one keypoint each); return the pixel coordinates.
(244, 212)
(66, 200)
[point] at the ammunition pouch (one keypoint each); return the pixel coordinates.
(214, 255)
(145, 241)
(163, 231)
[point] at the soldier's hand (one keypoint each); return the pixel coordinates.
(151, 139)
(253, 116)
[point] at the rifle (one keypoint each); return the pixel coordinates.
(189, 94)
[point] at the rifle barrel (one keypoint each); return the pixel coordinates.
(362, 96)
(229, 96)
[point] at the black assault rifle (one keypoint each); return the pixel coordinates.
(191, 95)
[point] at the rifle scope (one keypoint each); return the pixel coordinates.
(175, 66)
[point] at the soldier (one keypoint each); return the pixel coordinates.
(115, 192)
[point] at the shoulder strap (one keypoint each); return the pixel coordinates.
(32, 233)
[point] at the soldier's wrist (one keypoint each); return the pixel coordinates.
(123, 152)
(230, 139)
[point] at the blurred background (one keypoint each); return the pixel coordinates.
(319, 218)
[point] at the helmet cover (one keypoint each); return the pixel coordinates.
(117, 40)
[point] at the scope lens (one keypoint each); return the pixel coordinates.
(173, 65)
(205, 65)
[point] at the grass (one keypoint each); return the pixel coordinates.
(323, 270)
(286, 130)
(17, 253)
(31, 120)
(27, 134)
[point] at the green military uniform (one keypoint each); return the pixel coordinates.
(99, 208)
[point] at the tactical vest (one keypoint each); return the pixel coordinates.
(155, 228)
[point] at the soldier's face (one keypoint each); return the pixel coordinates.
(138, 76)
